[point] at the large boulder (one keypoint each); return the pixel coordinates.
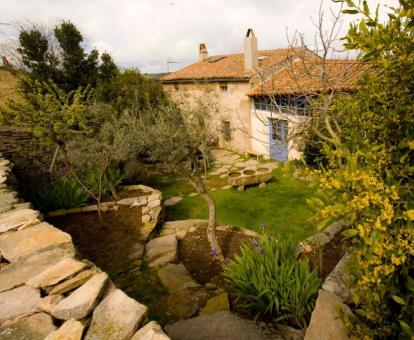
(19, 244)
(326, 321)
(18, 302)
(18, 273)
(116, 317)
(161, 251)
(35, 327)
(83, 300)
(219, 326)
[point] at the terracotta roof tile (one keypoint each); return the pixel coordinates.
(230, 66)
(304, 77)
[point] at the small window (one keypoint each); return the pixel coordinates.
(226, 130)
(176, 87)
(224, 88)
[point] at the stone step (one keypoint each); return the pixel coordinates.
(175, 277)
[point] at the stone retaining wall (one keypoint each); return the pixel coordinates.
(48, 292)
(24, 150)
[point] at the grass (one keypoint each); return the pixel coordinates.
(281, 204)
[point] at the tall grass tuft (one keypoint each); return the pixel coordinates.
(269, 279)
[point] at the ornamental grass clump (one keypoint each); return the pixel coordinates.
(268, 279)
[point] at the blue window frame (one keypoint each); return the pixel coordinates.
(287, 104)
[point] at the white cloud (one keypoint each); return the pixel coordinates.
(145, 33)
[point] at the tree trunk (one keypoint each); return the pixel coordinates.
(112, 187)
(211, 228)
(52, 164)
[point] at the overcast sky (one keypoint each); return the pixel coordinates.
(147, 33)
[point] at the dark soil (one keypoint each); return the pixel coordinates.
(327, 257)
(194, 252)
(108, 243)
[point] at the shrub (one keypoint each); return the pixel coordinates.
(55, 192)
(270, 280)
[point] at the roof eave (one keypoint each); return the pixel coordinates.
(205, 80)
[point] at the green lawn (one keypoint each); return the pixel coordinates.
(281, 204)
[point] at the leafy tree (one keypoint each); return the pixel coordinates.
(371, 171)
(61, 58)
(129, 89)
(179, 134)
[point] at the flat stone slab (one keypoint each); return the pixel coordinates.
(181, 227)
(70, 330)
(222, 325)
(35, 327)
(60, 271)
(83, 300)
(18, 273)
(216, 304)
(337, 280)
(14, 207)
(8, 198)
(116, 317)
(161, 251)
(173, 201)
(326, 322)
(72, 283)
(14, 219)
(175, 277)
(24, 242)
(151, 331)
(18, 302)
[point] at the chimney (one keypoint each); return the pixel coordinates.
(203, 54)
(250, 50)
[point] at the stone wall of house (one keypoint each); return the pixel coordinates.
(47, 291)
(23, 150)
(236, 109)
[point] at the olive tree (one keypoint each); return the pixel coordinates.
(180, 134)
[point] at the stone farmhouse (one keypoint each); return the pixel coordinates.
(264, 94)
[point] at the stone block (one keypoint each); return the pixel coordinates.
(59, 272)
(18, 273)
(70, 330)
(35, 327)
(31, 240)
(73, 283)
(175, 277)
(116, 317)
(18, 302)
(83, 300)
(151, 331)
(216, 304)
(14, 219)
(161, 251)
(326, 322)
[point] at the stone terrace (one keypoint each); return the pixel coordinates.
(48, 292)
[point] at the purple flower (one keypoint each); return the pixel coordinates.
(263, 225)
(255, 243)
(260, 250)
(213, 252)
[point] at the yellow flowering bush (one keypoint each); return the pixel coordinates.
(370, 174)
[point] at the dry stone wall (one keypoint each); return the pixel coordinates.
(24, 150)
(48, 292)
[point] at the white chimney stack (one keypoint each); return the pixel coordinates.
(203, 54)
(250, 50)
